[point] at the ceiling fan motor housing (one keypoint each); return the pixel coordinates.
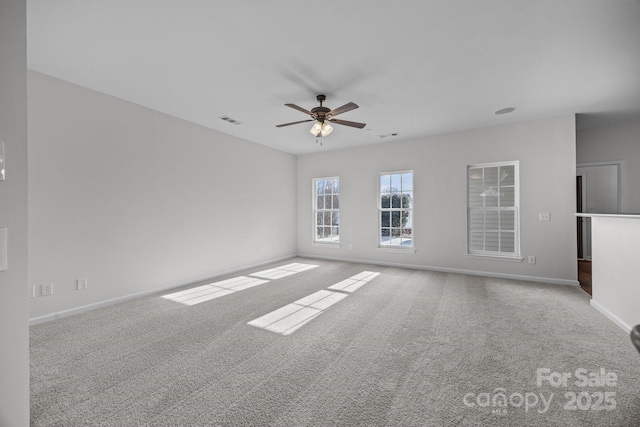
(320, 112)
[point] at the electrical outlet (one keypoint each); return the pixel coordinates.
(46, 289)
(532, 260)
(350, 246)
(544, 216)
(81, 284)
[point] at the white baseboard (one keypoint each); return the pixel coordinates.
(452, 270)
(106, 303)
(611, 316)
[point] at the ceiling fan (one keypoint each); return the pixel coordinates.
(324, 116)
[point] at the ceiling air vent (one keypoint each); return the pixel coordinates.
(389, 135)
(230, 120)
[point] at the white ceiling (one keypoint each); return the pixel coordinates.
(415, 67)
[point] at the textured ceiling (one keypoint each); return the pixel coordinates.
(415, 68)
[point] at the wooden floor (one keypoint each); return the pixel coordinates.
(584, 275)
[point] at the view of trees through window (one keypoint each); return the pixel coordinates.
(327, 209)
(396, 209)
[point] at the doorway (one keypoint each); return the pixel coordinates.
(599, 189)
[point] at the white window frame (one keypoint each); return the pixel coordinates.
(331, 210)
(508, 256)
(389, 247)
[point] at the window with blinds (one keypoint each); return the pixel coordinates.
(492, 209)
(326, 210)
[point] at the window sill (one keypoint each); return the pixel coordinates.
(495, 257)
(397, 249)
(333, 245)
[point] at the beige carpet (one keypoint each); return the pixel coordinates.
(407, 348)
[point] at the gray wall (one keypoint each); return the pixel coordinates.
(614, 143)
(136, 201)
(14, 332)
(546, 151)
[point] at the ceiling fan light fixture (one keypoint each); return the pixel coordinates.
(316, 129)
(326, 129)
(321, 128)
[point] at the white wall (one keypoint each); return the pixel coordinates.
(601, 184)
(615, 143)
(136, 201)
(616, 292)
(14, 328)
(546, 151)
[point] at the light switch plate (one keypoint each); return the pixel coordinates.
(3, 249)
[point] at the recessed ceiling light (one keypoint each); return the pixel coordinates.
(505, 110)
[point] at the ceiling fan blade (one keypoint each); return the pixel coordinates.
(348, 123)
(295, 107)
(346, 107)
(294, 123)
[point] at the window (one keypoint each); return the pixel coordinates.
(492, 209)
(326, 210)
(396, 209)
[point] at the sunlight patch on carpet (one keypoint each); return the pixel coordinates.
(353, 283)
(289, 318)
(214, 290)
(284, 270)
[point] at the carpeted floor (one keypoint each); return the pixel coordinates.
(407, 348)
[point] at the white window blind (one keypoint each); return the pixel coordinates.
(492, 209)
